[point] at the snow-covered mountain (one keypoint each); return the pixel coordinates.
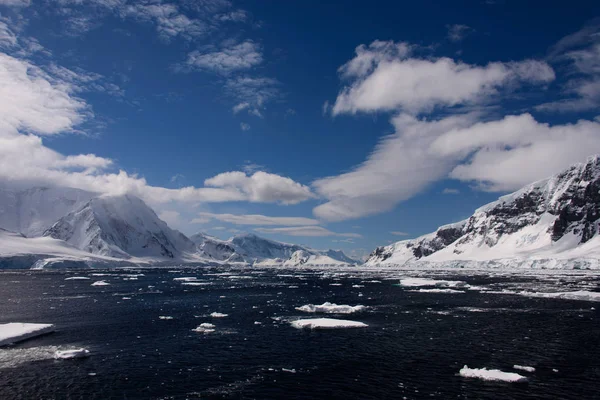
(549, 220)
(32, 211)
(121, 227)
(255, 250)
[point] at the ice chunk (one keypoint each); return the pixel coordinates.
(165, 317)
(331, 308)
(218, 315)
(204, 328)
(77, 278)
(74, 353)
(491, 375)
(577, 295)
(15, 331)
(326, 323)
(417, 282)
(186, 279)
(524, 368)
(437, 291)
(196, 283)
(100, 283)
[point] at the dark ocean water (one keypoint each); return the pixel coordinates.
(413, 348)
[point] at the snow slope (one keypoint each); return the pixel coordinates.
(255, 250)
(121, 227)
(549, 220)
(34, 210)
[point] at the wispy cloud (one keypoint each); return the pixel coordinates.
(244, 126)
(398, 233)
(256, 219)
(450, 191)
(252, 93)
(315, 231)
(235, 57)
(458, 32)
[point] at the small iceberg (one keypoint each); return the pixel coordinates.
(491, 375)
(186, 279)
(218, 315)
(165, 317)
(450, 291)
(77, 278)
(417, 282)
(100, 283)
(205, 328)
(74, 353)
(524, 368)
(16, 331)
(331, 308)
(326, 323)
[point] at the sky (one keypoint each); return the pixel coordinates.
(333, 124)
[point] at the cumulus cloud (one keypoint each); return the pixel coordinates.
(255, 219)
(305, 231)
(239, 56)
(37, 102)
(262, 187)
(383, 77)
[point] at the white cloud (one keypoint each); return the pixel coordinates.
(240, 56)
(499, 155)
(317, 231)
(36, 102)
(384, 78)
(7, 36)
(262, 187)
(256, 219)
(244, 126)
(398, 233)
(458, 32)
(172, 218)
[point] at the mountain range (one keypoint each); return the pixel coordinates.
(43, 227)
(550, 223)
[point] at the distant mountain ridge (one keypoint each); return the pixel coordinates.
(125, 228)
(555, 218)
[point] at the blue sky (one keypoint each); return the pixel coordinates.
(333, 124)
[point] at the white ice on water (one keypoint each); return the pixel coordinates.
(577, 295)
(524, 368)
(100, 283)
(491, 375)
(326, 323)
(205, 327)
(73, 353)
(451, 291)
(418, 282)
(331, 308)
(77, 278)
(218, 315)
(16, 331)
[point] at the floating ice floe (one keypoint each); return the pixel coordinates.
(331, 308)
(77, 278)
(100, 283)
(186, 279)
(196, 283)
(524, 368)
(577, 295)
(417, 282)
(326, 323)
(454, 291)
(16, 331)
(165, 317)
(205, 328)
(74, 353)
(491, 375)
(218, 315)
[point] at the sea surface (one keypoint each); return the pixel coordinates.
(414, 346)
